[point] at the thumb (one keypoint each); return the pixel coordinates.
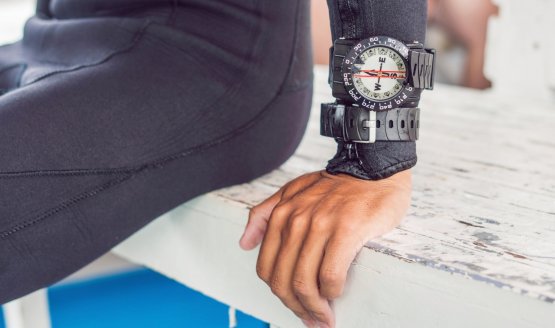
(258, 221)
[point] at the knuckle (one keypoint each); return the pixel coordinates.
(301, 288)
(303, 315)
(253, 211)
(296, 224)
(348, 227)
(277, 287)
(320, 316)
(280, 210)
(332, 285)
(330, 278)
(261, 272)
(333, 293)
(320, 224)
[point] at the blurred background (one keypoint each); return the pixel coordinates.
(456, 28)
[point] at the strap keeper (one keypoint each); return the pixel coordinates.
(370, 124)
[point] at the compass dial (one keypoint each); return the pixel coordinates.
(375, 74)
(378, 73)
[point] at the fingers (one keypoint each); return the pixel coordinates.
(258, 221)
(305, 280)
(271, 242)
(340, 252)
(282, 275)
(260, 214)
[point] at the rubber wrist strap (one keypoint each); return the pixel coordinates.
(357, 124)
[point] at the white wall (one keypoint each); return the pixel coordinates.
(520, 56)
(13, 14)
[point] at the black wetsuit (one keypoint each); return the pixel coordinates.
(113, 112)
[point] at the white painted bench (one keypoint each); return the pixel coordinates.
(477, 248)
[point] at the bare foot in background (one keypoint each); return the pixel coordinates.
(467, 22)
(321, 33)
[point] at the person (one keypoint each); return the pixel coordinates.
(114, 112)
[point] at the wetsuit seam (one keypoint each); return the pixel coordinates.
(235, 87)
(137, 37)
(64, 205)
(351, 20)
(20, 75)
(129, 169)
(294, 49)
(8, 68)
(125, 176)
(171, 18)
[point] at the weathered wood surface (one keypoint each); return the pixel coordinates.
(477, 248)
(484, 189)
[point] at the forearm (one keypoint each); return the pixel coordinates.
(356, 19)
(400, 19)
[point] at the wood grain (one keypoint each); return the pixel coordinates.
(484, 189)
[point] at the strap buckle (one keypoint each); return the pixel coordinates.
(368, 124)
(349, 124)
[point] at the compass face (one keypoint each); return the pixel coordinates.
(375, 74)
(378, 73)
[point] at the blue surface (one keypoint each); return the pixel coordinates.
(138, 299)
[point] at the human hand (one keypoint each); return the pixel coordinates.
(311, 230)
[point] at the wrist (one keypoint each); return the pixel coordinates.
(377, 82)
(401, 179)
(374, 161)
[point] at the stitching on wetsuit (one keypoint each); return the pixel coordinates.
(373, 19)
(126, 177)
(64, 205)
(171, 18)
(130, 169)
(294, 47)
(352, 20)
(127, 174)
(291, 67)
(235, 87)
(138, 36)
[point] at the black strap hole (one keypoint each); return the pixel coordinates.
(412, 124)
(378, 124)
(390, 124)
(402, 124)
(351, 123)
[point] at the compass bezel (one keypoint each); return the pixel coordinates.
(361, 47)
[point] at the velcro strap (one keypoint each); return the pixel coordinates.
(422, 69)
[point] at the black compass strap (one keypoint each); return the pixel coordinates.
(421, 65)
(357, 124)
